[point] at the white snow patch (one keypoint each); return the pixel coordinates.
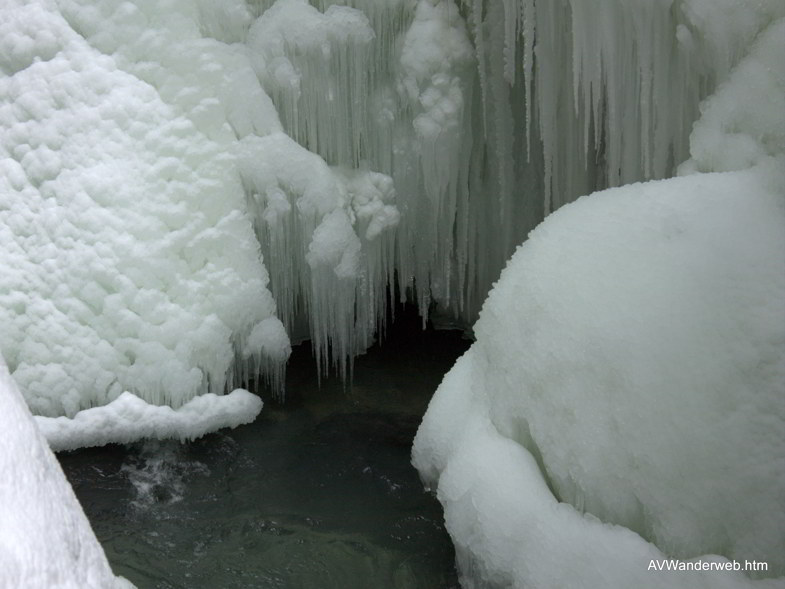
(45, 538)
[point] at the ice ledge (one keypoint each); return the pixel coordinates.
(128, 419)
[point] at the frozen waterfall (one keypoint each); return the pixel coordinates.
(187, 187)
(150, 150)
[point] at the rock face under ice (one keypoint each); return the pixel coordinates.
(45, 538)
(623, 400)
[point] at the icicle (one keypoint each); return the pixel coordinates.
(582, 90)
(315, 67)
(326, 235)
(511, 27)
(479, 43)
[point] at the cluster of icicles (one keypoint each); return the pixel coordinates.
(487, 116)
(374, 145)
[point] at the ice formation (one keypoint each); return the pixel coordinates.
(412, 139)
(128, 198)
(141, 146)
(45, 538)
(187, 186)
(338, 222)
(129, 263)
(384, 86)
(129, 419)
(623, 402)
(489, 115)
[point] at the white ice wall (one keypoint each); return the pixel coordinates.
(489, 115)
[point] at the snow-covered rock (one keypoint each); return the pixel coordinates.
(45, 538)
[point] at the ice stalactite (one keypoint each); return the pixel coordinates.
(385, 86)
(315, 67)
(327, 241)
(611, 87)
(434, 85)
(572, 97)
(490, 115)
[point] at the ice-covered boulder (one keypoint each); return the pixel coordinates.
(45, 538)
(628, 370)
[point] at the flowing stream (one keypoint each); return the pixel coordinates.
(317, 493)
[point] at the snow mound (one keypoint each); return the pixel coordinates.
(628, 369)
(45, 538)
(623, 402)
(129, 419)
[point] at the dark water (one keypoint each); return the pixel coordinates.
(316, 493)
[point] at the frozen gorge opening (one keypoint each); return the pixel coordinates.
(188, 187)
